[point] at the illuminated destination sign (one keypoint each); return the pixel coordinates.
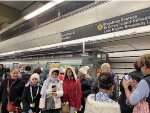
(127, 21)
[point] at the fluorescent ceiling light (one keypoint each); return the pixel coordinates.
(38, 11)
(58, 1)
(42, 9)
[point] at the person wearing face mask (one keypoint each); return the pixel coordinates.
(31, 95)
(11, 91)
(51, 92)
(72, 90)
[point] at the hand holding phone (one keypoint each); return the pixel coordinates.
(53, 88)
(126, 77)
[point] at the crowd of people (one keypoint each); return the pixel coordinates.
(60, 90)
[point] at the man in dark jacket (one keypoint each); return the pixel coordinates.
(26, 74)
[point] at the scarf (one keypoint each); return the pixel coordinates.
(46, 84)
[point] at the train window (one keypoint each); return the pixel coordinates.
(49, 63)
(15, 65)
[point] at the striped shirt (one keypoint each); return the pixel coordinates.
(141, 92)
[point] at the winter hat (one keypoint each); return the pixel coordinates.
(54, 67)
(54, 70)
(35, 75)
(73, 71)
(84, 69)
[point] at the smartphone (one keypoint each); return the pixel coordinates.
(126, 77)
(54, 86)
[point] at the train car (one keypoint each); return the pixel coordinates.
(77, 62)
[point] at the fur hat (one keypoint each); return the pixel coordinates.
(35, 75)
(84, 69)
(52, 70)
(73, 71)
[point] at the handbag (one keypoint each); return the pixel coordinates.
(42, 103)
(10, 107)
(65, 107)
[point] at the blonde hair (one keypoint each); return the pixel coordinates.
(144, 60)
(103, 65)
(15, 68)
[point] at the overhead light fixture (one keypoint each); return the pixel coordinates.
(58, 1)
(38, 11)
(42, 9)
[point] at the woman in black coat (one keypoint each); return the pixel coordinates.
(31, 95)
(16, 86)
(86, 83)
(122, 99)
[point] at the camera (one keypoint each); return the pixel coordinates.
(126, 77)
